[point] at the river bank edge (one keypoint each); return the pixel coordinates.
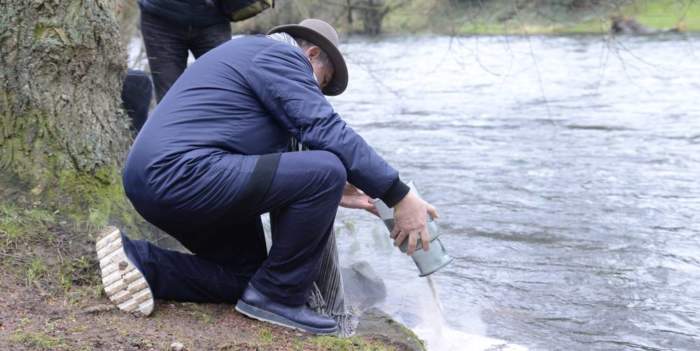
(500, 19)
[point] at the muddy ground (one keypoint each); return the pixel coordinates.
(51, 298)
(33, 318)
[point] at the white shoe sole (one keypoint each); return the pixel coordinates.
(125, 286)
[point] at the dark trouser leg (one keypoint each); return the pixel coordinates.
(137, 92)
(166, 47)
(304, 198)
(207, 38)
(226, 255)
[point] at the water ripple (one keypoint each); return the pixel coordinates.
(568, 185)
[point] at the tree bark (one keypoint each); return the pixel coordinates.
(373, 14)
(61, 69)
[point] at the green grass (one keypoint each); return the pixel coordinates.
(665, 14)
(45, 234)
(500, 17)
(37, 341)
(35, 270)
(10, 224)
(28, 243)
(265, 336)
(331, 343)
(19, 225)
(199, 311)
(80, 271)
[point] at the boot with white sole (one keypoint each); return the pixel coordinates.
(123, 283)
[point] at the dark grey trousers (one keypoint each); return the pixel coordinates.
(167, 45)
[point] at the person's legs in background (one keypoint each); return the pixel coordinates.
(167, 50)
(137, 92)
(204, 39)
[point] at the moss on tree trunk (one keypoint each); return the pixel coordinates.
(63, 137)
(63, 133)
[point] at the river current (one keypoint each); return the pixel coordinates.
(565, 170)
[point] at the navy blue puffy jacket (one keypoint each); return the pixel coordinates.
(245, 97)
(196, 13)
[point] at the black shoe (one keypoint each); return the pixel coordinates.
(258, 306)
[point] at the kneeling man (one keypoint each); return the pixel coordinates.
(213, 157)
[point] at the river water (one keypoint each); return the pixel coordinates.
(565, 170)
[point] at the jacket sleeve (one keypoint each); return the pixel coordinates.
(282, 78)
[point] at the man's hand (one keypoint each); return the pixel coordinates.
(355, 198)
(411, 221)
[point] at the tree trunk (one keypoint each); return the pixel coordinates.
(128, 15)
(373, 13)
(348, 5)
(61, 69)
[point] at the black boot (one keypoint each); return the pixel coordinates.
(256, 305)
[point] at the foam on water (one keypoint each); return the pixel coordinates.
(438, 335)
(443, 338)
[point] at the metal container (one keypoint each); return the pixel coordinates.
(428, 262)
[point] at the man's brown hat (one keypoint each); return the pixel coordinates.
(325, 37)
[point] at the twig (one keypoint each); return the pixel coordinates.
(20, 259)
(98, 309)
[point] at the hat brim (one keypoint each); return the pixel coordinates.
(340, 76)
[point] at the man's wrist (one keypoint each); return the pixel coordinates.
(396, 192)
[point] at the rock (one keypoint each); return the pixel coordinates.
(363, 287)
(378, 325)
(177, 346)
(627, 25)
(98, 308)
